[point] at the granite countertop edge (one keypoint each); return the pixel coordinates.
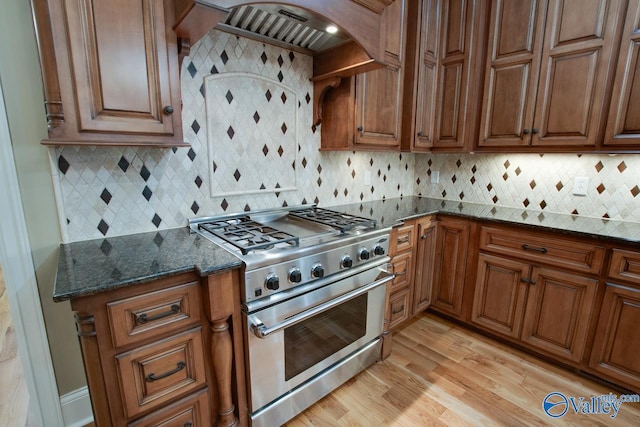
(95, 266)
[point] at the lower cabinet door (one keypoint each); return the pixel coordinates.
(615, 348)
(500, 294)
(558, 311)
(192, 411)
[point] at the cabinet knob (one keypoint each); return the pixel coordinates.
(360, 128)
(534, 131)
(526, 132)
(168, 110)
(420, 134)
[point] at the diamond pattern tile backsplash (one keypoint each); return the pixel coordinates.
(108, 191)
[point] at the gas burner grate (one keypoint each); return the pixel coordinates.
(342, 221)
(248, 235)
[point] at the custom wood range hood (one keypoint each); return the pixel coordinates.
(363, 22)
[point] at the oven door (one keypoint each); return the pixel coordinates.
(291, 342)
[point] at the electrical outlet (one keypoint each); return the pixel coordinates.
(435, 177)
(367, 178)
(580, 186)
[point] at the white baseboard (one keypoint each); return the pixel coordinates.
(76, 408)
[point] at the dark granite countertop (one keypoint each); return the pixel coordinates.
(390, 212)
(90, 267)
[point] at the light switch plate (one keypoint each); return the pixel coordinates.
(580, 186)
(435, 177)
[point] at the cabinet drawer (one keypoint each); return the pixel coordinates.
(399, 305)
(543, 248)
(402, 239)
(625, 265)
(403, 268)
(192, 411)
(137, 318)
(152, 375)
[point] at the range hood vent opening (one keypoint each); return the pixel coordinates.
(284, 26)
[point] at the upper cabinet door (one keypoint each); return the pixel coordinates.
(117, 68)
(547, 73)
(575, 69)
(511, 73)
(378, 106)
(623, 126)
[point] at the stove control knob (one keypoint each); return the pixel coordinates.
(272, 282)
(378, 250)
(295, 276)
(363, 254)
(317, 271)
(346, 262)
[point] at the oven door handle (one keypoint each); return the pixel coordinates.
(262, 331)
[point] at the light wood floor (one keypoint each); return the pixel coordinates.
(442, 374)
(14, 397)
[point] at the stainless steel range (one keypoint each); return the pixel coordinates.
(313, 298)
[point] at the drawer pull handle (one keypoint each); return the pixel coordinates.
(531, 248)
(152, 377)
(144, 318)
(402, 273)
(188, 424)
(398, 310)
(528, 281)
(404, 239)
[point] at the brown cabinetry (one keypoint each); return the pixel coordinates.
(615, 348)
(623, 125)
(364, 112)
(164, 352)
(440, 96)
(425, 263)
(450, 265)
(402, 253)
(547, 70)
(110, 71)
(532, 295)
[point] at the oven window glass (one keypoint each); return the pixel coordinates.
(313, 340)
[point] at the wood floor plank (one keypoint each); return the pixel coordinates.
(441, 374)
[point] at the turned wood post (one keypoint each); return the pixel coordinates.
(222, 350)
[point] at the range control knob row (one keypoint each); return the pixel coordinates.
(363, 254)
(378, 250)
(317, 271)
(295, 276)
(346, 262)
(272, 282)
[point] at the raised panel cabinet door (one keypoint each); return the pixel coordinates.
(425, 260)
(623, 125)
(379, 93)
(121, 70)
(453, 97)
(574, 70)
(427, 78)
(615, 349)
(558, 312)
(452, 247)
(500, 294)
(514, 46)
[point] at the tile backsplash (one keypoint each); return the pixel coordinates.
(108, 191)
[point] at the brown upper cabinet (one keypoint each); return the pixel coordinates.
(444, 42)
(364, 111)
(548, 66)
(110, 71)
(623, 125)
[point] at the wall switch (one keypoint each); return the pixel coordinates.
(367, 177)
(580, 186)
(435, 177)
